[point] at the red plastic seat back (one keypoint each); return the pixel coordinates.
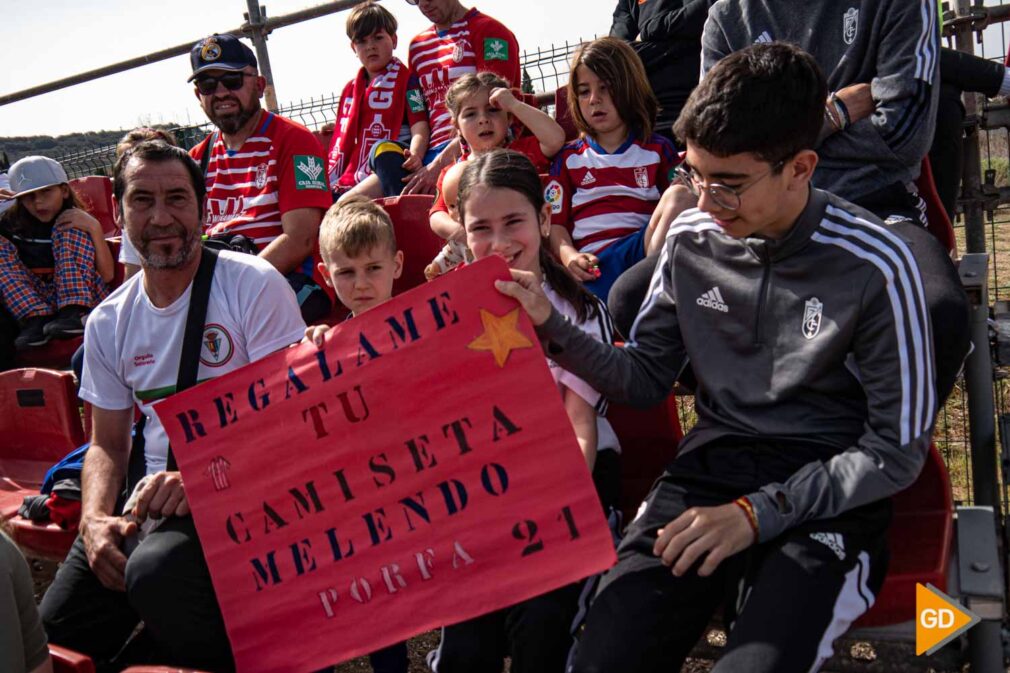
(936, 216)
(96, 193)
(413, 236)
(649, 440)
(920, 541)
(39, 422)
(563, 116)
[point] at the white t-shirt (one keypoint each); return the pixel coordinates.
(602, 328)
(132, 348)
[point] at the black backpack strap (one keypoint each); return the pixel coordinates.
(205, 157)
(189, 361)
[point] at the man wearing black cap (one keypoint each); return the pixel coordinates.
(265, 175)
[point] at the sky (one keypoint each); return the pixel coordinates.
(45, 40)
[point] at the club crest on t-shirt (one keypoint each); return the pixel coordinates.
(642, 177)
(457, 51)
(850, 21)
(261, 176)
(216, 347)
(813, 312)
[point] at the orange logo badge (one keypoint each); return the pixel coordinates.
(938, 619)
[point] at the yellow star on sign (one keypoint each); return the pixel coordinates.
(501, 335)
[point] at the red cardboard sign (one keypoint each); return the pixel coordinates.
(418, 471)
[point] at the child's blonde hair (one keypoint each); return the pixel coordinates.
(620, 68)
(355, 226)
(469, 84)
(367, 19)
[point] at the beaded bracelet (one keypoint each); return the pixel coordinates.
(743, 503)
(829, 114)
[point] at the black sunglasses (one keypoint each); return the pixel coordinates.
(233, 81)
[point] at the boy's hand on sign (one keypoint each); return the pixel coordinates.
(714, 532)
(525, 288)
(314, 334)
(162, 496)
(103, 537)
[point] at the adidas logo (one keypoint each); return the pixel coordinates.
(833, 541)
(712, 299)
(764, 37)
(588, 179)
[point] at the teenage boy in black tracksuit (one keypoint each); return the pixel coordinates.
(804, 321)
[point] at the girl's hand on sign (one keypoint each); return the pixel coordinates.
(526, 289)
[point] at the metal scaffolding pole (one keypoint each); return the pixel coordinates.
(255, 20)
(246, 29)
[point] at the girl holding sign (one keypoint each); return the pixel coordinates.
(501, 204)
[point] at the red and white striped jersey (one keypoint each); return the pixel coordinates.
(280, 167)
(438, 58)
(601, 197)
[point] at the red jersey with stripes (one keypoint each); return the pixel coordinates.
(280, 167)
(528, 145)
(601, 197)
(438, 58)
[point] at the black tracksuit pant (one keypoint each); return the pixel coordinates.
(786, 599)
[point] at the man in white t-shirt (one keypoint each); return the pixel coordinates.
(133, 345)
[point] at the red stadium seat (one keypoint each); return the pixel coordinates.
(39, 425)
(413, 236)
(96, 193)
(563, 116)
(649, 440)
(68, 661)
(936, 216)
(920, 538)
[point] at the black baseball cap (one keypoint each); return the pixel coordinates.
(220, 52)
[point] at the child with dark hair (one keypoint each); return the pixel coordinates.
(607, 183)
(501, 204)
(804, 320)
(49, 228)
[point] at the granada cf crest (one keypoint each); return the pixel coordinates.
(642, 177)
(850, 20)
(812, 313)
(457, 52)
(261, 176)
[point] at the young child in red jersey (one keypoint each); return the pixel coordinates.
(382, 128)
(606, 184)
(483, 107)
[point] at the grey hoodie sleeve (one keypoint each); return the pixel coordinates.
(893, 356)
(904, 88)
(641, 373)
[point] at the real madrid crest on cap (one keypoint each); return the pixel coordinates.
(211, 50)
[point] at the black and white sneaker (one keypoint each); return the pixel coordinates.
(69, 322)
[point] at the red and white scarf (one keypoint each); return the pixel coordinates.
(369, 111)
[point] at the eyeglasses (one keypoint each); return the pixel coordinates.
(233, 81)
(724, 196)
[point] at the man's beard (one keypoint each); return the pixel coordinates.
(232, 122)
(177, 260)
